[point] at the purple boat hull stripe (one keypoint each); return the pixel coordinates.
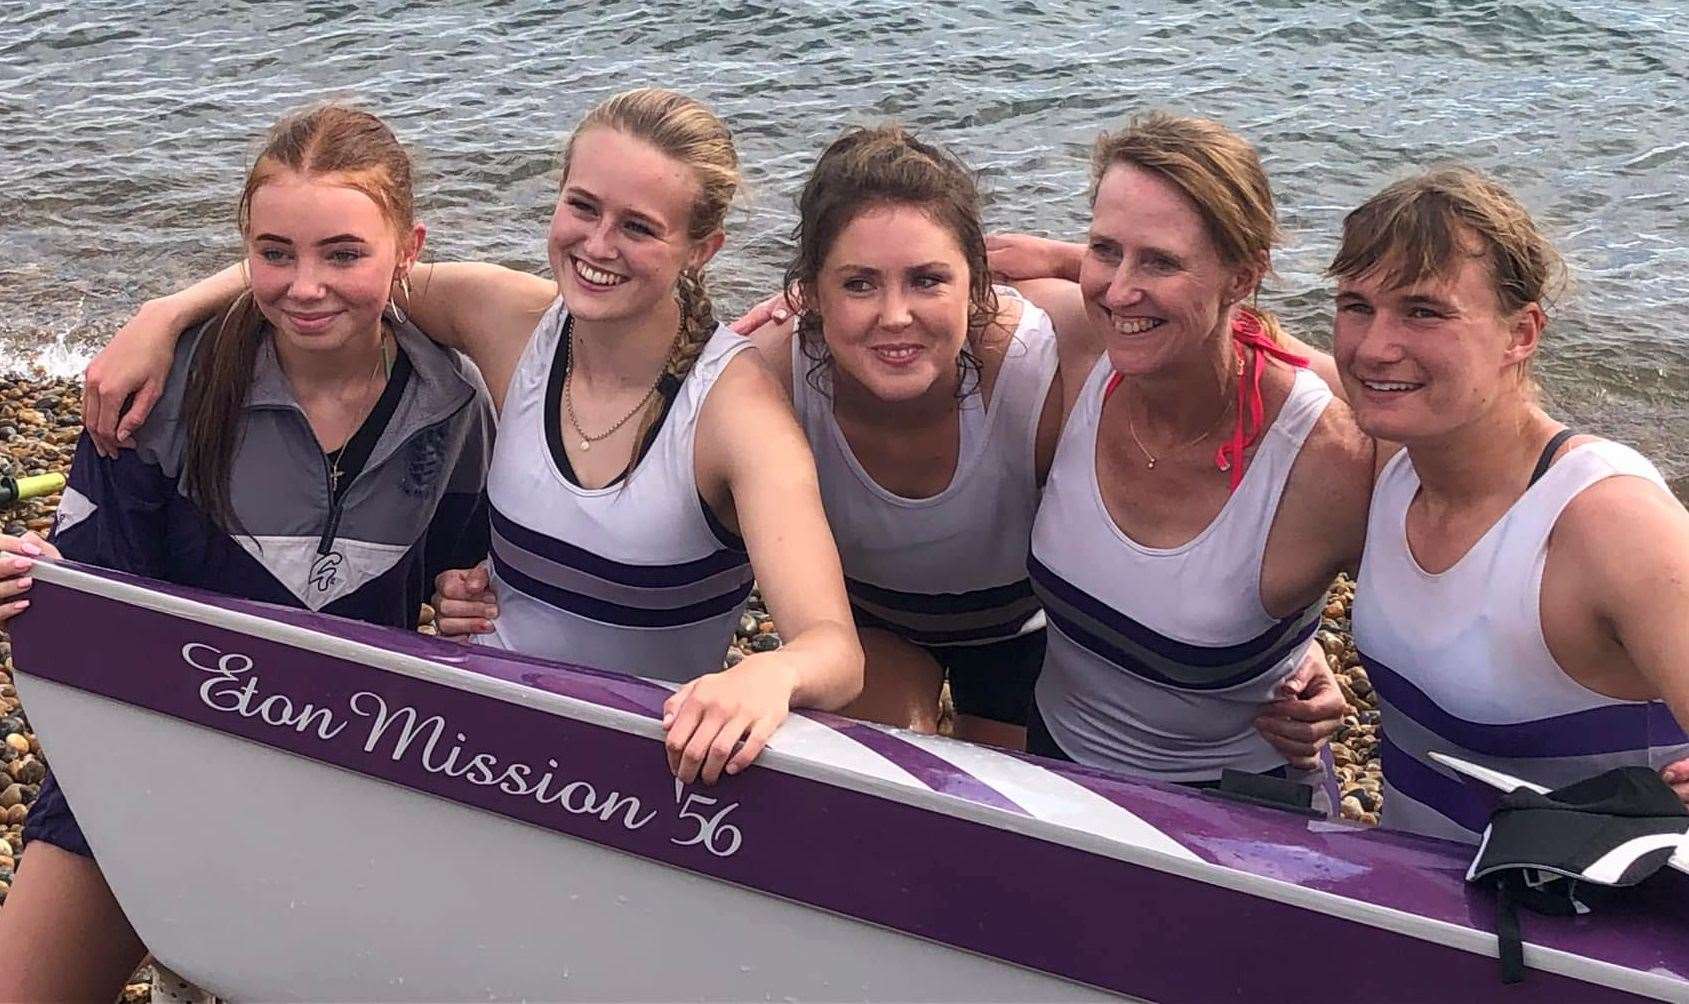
(967, 867)
(932, 771)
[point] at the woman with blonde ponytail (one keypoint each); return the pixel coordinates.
(1207, 486)
(647, 466)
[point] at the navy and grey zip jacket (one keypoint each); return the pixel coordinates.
(414, 509)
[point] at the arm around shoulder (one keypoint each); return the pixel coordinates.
(773, 342)
(122, 383)
(485, 311)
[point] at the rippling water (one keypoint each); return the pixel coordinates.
(125, 129)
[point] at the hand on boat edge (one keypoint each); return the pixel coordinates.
(720, 722)
(19, 557)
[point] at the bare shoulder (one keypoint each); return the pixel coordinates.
(1335, 471)
(1626, 527)
(773, 342)
(745, 397)
(1320, 363)
(1338, 442)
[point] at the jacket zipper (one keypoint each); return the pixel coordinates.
(325, 543)
(331, 527)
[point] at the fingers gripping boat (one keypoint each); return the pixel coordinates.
(293, 806)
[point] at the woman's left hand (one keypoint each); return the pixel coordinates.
(1308, 711)
(722, 721)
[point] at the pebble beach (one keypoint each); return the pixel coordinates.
(40, 421)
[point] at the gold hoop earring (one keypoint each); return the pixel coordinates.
(404, 283)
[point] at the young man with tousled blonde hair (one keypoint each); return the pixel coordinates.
(1524, 595)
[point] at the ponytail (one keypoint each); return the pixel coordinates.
(697, 324)
(223, 367)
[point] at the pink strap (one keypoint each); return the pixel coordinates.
(1252, 340)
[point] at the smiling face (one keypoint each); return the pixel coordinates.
(893, 297)
(1421, 360)
(322, 258)
(619, 236)
(1153, 281)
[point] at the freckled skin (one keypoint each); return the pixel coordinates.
(624, 208)
(322, 258)
(1446, 337)
(1149, 258)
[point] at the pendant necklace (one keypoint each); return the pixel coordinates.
(383, 370)
(587, 439)
(1151, 459)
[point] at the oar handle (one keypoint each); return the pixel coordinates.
(18, 489)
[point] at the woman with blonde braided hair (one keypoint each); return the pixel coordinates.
(646, 464)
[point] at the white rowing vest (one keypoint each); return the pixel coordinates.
(634, 577)
(949, 569)
(1160, 659)
(1460, 665)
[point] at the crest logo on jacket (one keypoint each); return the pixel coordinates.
(325, 571)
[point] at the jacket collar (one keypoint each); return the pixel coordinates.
(438, 386)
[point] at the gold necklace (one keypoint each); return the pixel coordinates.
(1152, 460)
(383, 369)
(569, 396)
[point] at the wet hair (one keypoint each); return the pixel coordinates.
(1218, 170)
(357, 150)
(1421, 228)
(876, 167)
(684, 129)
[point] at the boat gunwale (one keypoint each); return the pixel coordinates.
(169, 601)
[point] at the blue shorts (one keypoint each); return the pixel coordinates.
(50, 819)
(993, 680)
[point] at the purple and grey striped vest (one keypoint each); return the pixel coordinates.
(949, 569)
(635, 577)
(1159, 659)
(1461, 667)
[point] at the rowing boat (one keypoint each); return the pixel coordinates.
(294, 806)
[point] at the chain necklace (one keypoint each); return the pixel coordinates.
(1151, 459)
(569, 396)
(383, 369)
